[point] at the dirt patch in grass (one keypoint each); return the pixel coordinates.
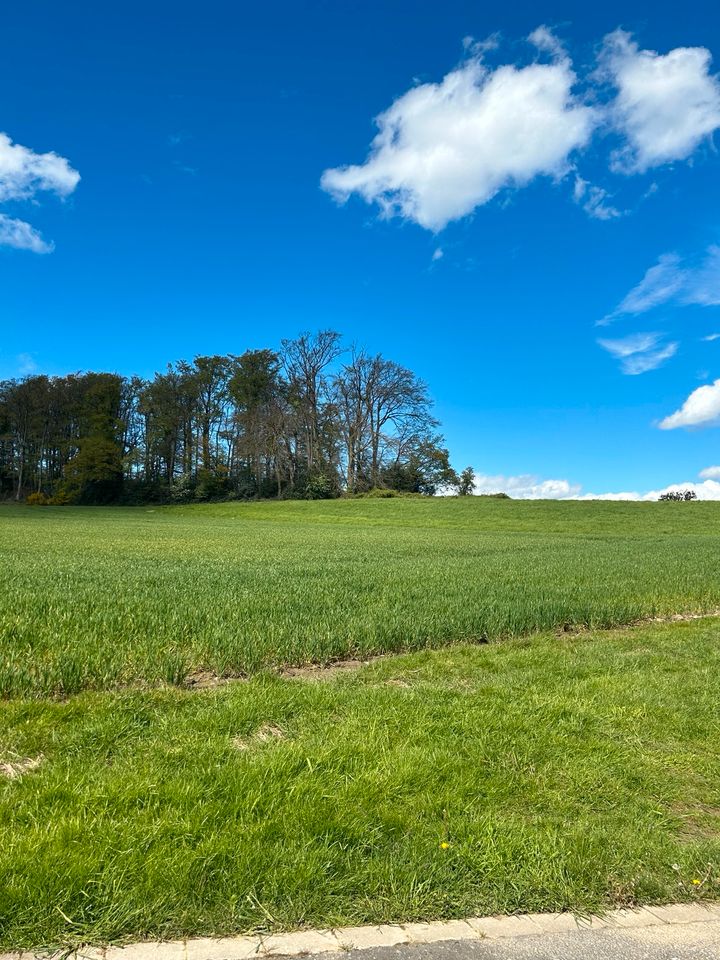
(700, 821)
(206, 680)
(580, 628)
(319, 671)
(678, 617)
(14, 767)
(267, 733)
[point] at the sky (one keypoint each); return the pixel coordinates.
(520, 202)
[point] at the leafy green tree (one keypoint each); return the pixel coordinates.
(425, 469)
(466, 482)
(94, 474)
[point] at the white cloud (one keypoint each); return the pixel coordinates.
(661, 282)
(445, 148)
(702, 284)
(438, 254)
(21, 236)
(545, 40)
(709, 490)
(525, 487)
(639, 353)
(702, 408)
(530, 487)
(23, 174)
(672, 280)
(710, 337)
(645, 362)
(635, 343)
(593, 200)
(665, 105)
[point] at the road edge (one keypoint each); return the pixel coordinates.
(343, 939)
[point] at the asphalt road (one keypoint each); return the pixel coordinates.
(691, 941)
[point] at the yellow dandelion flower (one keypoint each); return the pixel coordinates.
(696, 883)
(444, 845)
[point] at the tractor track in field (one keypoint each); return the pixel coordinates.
(200, 680)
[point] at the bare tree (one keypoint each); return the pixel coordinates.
(384, 407)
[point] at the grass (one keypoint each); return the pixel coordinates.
(556, 770)
(102, 599)
(547, 773)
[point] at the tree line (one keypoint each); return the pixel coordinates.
(311, 420)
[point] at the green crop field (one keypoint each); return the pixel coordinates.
(555, 769)
(94, 598)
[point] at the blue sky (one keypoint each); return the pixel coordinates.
(535, 232)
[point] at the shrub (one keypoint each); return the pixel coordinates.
(678, 495)
(182, 489)
(38, 499)
(319, 487)
(61, 498)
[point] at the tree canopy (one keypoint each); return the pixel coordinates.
(310, 420)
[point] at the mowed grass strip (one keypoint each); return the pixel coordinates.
(542, 774)
(100, 599)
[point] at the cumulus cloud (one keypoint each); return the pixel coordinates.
(21, 236)
(709, 490)
(525, 487)
(710, 473)
(701, 409)
(445, 148)
(23, 174)
(665, 105)
(531, 487)
(690, 282)
(639, 352)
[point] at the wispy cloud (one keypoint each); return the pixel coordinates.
(594, 200)
(184, 168)
(26, 364)
(639, 352)
(674, 280)
(21, 236)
